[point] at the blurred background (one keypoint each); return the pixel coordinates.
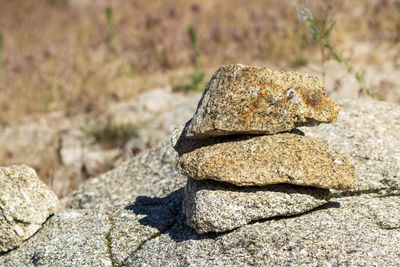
(86, 85)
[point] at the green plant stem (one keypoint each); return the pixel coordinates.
(195, 46)
(1, 52)
(321, 36)
(348, 67)
(198, 75)
(2, 71)
(110, 28)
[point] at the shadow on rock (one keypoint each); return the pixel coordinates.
(166, 215)
(326, 206)
(329, 205)
(183, 145)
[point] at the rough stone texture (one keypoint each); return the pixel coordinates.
(356, 228)
(372, 147)
(271, 159)
(98, 237)
(91, 237)
(25, 203)
(347, 232)
(218, 207)
(243, 99)
(368, 132)
(151, 173)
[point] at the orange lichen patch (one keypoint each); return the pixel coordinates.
(314, 99)
(255, 104)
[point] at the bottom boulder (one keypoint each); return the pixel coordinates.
(212, 206)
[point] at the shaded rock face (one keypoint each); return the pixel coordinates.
(271, 159)
(25, 204)
(243, 99)
(143, 197)
(219, 207)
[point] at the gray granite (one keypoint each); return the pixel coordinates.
(152, 173)
(25, 204)
(144, 197)
(219, 207)
(346, 232)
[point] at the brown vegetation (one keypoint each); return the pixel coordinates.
(57, 57)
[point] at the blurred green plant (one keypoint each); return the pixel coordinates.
(58, 3)
(320, 29)
(195, 46)
(299, 61)
(1, 52)
(109, 135)
(397, 22)
(112, 42)
(2, 71)
(197, 79)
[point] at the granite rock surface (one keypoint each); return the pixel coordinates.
(218, 207)
(271, 159)
(346, 232)
(25, 204)
(356, 228)
(241, 99)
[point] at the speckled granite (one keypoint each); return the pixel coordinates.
(346, 232)
(106, 237)
(360, 227)
(271, 159)
(243, 99)
(218, 207)
(25, 204)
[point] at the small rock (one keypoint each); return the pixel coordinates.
(271, 159)
(241, 99)
(25, 203)
(218, 207)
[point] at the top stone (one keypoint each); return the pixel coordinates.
(255, 100)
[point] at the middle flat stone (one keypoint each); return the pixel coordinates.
(271, 159)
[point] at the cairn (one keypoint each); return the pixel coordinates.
(243, 156)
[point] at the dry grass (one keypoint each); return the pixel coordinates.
(57, 57)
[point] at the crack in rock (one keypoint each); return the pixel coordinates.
(151, 237)
(108, 240)
(383, 192)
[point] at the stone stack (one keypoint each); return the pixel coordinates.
(245, 159)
